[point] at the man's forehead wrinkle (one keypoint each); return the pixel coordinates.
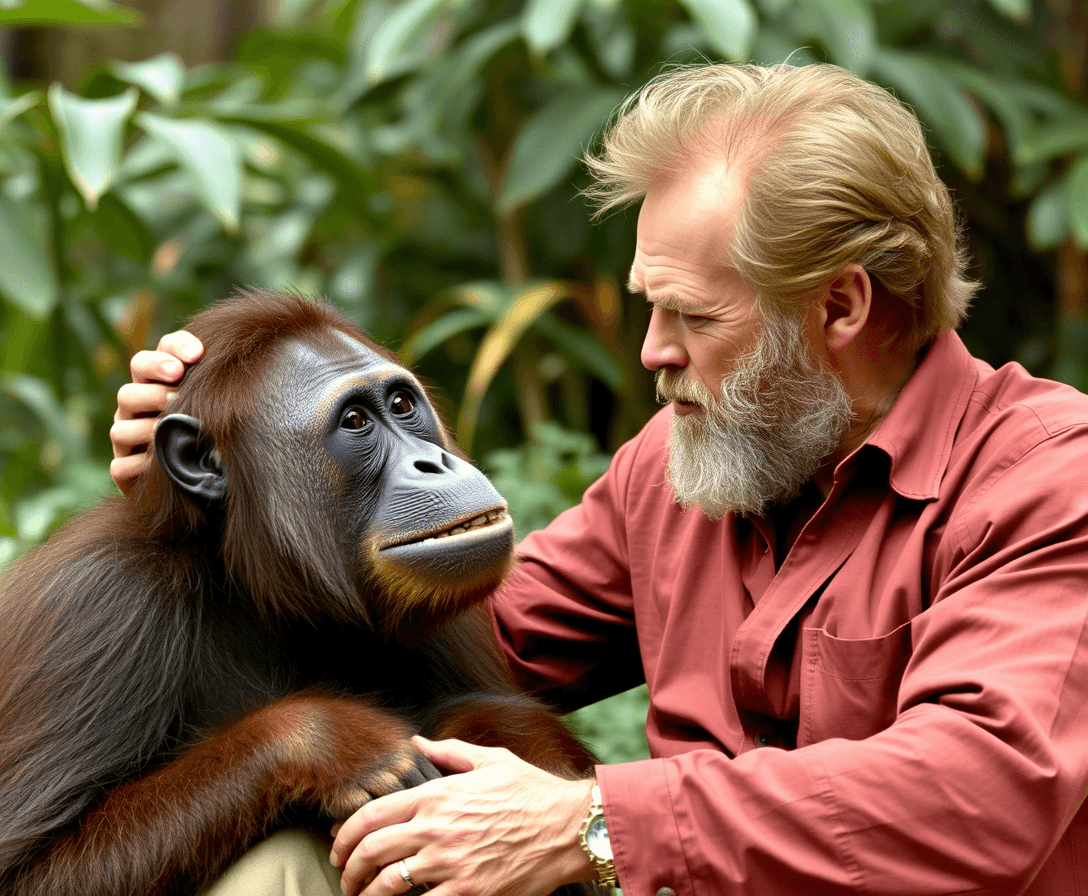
(668, 301)
(671, 296)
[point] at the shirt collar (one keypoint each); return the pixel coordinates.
(918, 432)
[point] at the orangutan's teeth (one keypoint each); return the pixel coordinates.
(486, 518)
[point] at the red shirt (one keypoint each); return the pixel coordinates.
(917, 666)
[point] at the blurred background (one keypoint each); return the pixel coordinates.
(417, 162)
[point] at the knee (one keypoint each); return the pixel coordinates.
(291, 862)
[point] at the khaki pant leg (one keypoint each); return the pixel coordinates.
(289, 863)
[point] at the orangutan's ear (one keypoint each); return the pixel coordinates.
(189, 456)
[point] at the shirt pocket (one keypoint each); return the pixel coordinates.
(850, 686)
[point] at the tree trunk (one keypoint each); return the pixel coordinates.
(1071, 42)
(196, 30)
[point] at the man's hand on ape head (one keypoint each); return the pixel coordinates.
(155, 375)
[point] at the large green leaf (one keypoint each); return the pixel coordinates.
(16, 13)
(352, 179)
(729, 25)
(162, 77)
(1078, 201)
(1055, 138)
(847, 30)
(38, 396)
(10, 109)
(27, 277)
(26, 345)
(442, 329)
(1002, 98)
(123, 230)
(463, 64)
(34, 515)
(1069, 366)
(496, 346)
(1048, 216)
(583, 350)
(552, 141)
(92, 135)
(940, 102)
(206, 153)
(394, 36)
(1020, 10)
(1017, 105)
(614, 38)
(444, 97)
(547, 24)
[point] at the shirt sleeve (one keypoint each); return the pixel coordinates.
(972, 786)
(565, 619)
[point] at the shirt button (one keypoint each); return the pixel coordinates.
(666, 891)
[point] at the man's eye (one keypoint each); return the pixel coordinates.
(402, 404)
(353, 419)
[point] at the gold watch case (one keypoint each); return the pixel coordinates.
(593, 838)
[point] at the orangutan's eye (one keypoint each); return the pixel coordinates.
(353, 419)
(402, 403)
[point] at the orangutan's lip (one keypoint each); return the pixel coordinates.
(486, 520)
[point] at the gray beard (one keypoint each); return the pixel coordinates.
(779, 416)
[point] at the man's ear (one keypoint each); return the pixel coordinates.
(846, 304)
(189, 456)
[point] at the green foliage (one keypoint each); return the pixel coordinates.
(417, 161)
(544, 476)
(69, 13)
(615, 729)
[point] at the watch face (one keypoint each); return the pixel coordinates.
(597, 838)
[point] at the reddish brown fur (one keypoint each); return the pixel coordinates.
(280, 756)
(225, 385)
(222, 391)
(176, 682)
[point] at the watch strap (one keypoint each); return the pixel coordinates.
(605, 867)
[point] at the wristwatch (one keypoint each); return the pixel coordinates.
(593, 838)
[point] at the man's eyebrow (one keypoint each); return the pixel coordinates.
(665, 301)
(671, 302)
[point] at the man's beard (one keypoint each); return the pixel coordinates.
(779, 416)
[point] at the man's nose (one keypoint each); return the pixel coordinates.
(662, 346)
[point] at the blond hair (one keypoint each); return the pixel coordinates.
(838, 172)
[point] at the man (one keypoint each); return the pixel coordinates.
(848, 559)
